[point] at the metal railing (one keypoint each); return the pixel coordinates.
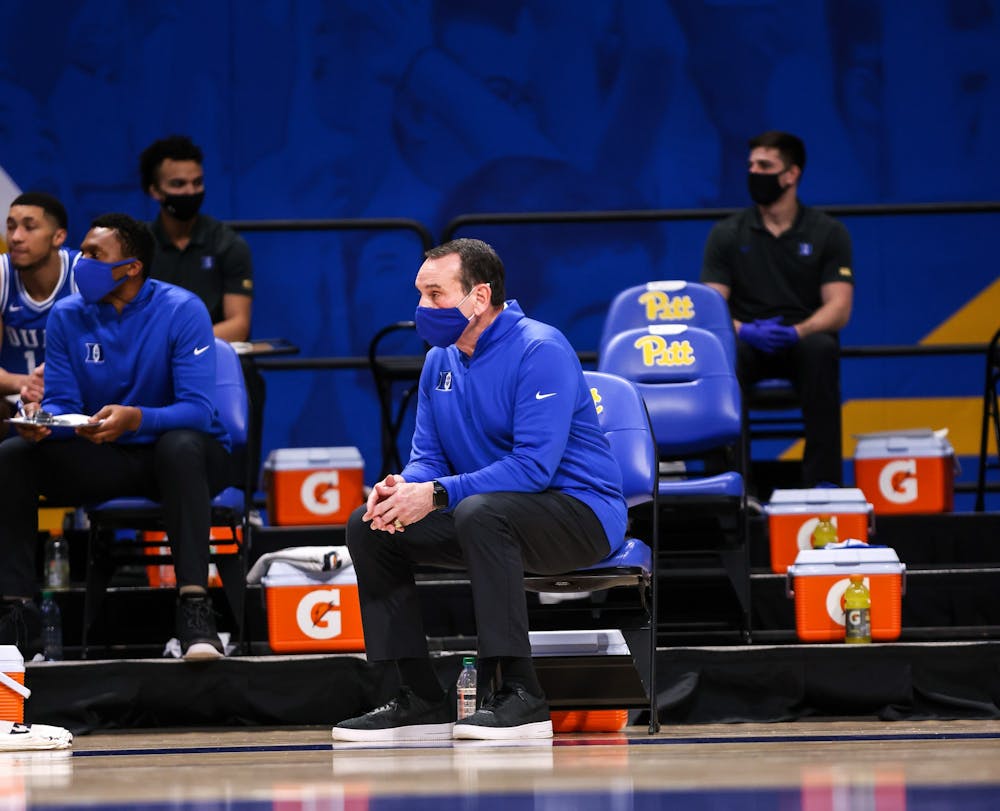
(689, 214)
(341, 224)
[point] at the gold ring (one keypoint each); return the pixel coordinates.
(397, 524)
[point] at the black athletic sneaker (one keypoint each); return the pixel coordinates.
(508, 714)
(196, 628)
(408, 717)
(21, 625)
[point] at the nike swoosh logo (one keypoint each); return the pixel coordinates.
(540, 396)
(14, 308)
(201, 349)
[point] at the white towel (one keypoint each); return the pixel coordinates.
(306, 558)
(16, 737)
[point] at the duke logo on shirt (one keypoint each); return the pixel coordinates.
(95, 353)
(444, 381)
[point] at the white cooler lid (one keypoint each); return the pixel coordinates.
(848, 560)
(280, 573)
(920, 442)
(818, 499)
(11, 660)
(346, 456)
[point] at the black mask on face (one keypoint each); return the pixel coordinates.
(764, 189)
(183, 207)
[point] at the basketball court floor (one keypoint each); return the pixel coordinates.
(859, 765)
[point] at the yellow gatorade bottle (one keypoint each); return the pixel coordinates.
(824, 533)
(857, 612)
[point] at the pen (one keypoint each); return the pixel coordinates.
(20, 409)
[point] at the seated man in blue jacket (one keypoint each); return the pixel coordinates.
(138, 357)
(509, 472)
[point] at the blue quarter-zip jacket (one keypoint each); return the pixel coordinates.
(515, 417)
(158, 355)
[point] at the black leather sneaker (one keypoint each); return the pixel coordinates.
(508, 714)
(196, 628)
(407, 717)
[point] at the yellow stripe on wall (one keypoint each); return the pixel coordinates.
(974, 323)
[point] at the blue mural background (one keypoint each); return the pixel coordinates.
(432, 108)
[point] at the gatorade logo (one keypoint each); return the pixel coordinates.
(320, 492)
(318, 616)
(897, 481)
(657, 352)
(835, 599)
(804, 538)
(661, 307)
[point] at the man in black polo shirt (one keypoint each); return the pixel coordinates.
(193, 250)
(201, 254)
(785, 270)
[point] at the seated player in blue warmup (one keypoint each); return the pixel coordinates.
(34, 274)
(509, 472)
(138, 356)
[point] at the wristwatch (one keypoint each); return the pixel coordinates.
(440, 496)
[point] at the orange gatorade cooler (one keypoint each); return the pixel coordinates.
(307, 486)
(312, 611)
(589, 720)
(603, 642)
(792, 516)
(163, 576)
(819, 577)
(12, 689)
(906, 471)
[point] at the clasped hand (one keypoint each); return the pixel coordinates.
(768, 334)
(395, 503)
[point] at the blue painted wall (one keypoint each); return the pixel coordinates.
(309, 109)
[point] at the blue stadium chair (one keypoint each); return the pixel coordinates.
(693, 397)
(771, 406)
(629, 571)
(230, 509)
(668, 302)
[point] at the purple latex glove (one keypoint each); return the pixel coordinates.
(761, 335)
(783, 336)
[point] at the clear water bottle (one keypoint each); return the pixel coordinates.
(56, 563)
(52, 639)
(466, 688)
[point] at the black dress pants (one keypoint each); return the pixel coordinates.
(182, 470)
(496, 537)
(813, 366)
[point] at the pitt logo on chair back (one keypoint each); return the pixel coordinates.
(656, 351)
(661, 306)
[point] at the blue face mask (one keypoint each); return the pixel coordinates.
(95, 279)
(442, 326)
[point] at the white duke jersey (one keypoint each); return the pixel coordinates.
(22, 342)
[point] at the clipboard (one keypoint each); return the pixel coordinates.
(56, 421)
(262, 347)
